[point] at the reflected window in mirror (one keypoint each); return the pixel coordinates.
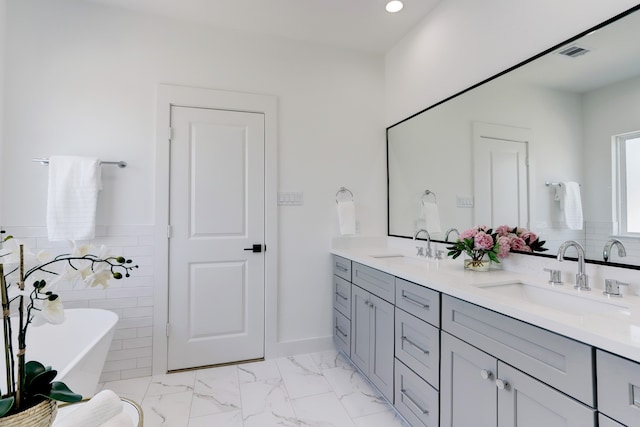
(627, 183)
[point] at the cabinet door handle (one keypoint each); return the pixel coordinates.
(341, 296)
(415, 345)
(501, 384)
(485, 375)
(413, 402)
(412, 301)
(341, 268)
(340, 331)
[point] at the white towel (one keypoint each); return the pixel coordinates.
(568, 193)
(74, 183)
(347, 217)
(120, 420)
(100, 408)
(429, 213)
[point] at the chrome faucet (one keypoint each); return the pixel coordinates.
(449, 231)
(609, 245)
(427, 253)
(582, 280)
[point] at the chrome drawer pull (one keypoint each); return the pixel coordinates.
(413, 402)
(415, 345)
(340, 331)
(341, 296)
(418, 303)
(341, 268)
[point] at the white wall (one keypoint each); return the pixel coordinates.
(3, 26)
(462, 42)
(82, 78)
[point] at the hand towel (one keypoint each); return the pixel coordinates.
(74, 183)
(571, 204)
(93, 413)
(120, 420)
(431, 216)
(347, 217)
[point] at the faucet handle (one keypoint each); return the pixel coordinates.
(420, 251)
(612, 287)
(439, 254)
(555, 276)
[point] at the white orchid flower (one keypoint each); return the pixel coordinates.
(51, 311)
(100, 278)
(80, 250)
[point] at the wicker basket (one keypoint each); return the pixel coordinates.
(41, 415)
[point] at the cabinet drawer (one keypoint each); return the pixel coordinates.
(342, 296)
(618, 388)
(342, 267)
(375, 281)
(415, 399)
(342, 332)
(422, 302)
(556, 360)
(418, 346)
(604, 421)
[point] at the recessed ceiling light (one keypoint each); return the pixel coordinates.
(394, 6)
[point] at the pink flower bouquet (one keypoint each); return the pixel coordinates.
(480, 242)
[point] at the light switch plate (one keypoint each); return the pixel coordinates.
(290, 199)
(464, 201)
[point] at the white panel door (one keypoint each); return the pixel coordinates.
(500, 175)
(216, 285)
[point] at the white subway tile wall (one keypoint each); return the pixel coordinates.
(130, 355)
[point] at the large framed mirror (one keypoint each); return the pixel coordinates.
(514, 148)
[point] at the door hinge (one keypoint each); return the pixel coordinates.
(167, 330)
(169, 231)
(170, 134)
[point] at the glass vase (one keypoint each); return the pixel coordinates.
(481, 264)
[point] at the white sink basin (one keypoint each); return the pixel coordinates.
(402, 259)
(566, 300)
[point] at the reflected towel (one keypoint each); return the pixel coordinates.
(74, 183)
(100, 408)
(571, 204)
(347, 217)
(431, 216)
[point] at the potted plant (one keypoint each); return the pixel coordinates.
(484, 245)
(28, 298)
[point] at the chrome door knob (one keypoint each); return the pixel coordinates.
(485, 375)
(501, 384)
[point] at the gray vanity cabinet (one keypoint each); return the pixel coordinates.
(467, 385)
(372, 333)
(479, 390)
(618, 388)
(342, 304)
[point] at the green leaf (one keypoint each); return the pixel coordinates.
(41, 384)
(5, 405)
(32, 369)
(59, 391)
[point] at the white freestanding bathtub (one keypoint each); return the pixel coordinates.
(77, 348)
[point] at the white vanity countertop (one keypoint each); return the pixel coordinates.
(616, 329)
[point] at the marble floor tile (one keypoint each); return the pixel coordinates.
(302, 376)
(134, 388)
(171, 383)
(225, 419)
(266, 403)
(216, 390)
(331, 359)
(309, 390)
(355, 393)
(168, 410)
(258, 371)
(388, 418)
(321, 410)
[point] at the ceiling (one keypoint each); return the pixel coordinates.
(361, 25)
